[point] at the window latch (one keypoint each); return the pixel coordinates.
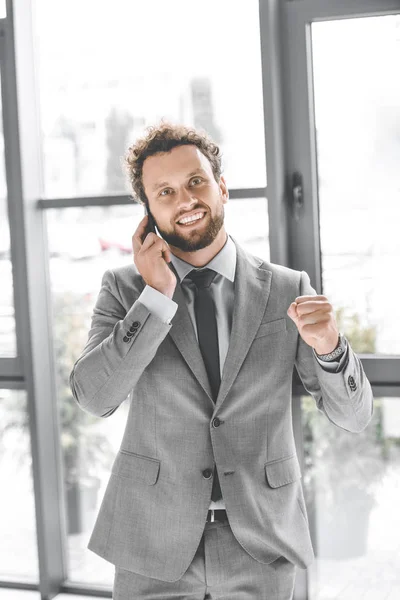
(297, 199)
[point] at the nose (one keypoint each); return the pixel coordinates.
(185, 201)
(186, 196)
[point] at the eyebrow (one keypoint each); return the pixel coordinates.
(163, 183)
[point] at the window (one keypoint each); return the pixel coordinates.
(7, 318)
(18, 550)
(357, 107)
(98, 94)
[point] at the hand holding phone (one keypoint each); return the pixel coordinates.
(151, 255)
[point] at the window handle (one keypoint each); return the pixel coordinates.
(297, 199)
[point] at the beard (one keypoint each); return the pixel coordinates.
(195, 240)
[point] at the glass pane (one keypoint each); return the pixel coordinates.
(247, 221)
(99, 93)
(89, 444)
(83, 244)
(8, 342)
(351, 483)
(18, 548)
(357, 105)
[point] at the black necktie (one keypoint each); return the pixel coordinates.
(207, 334)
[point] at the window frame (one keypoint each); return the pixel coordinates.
(289, 133)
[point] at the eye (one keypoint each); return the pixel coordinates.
(194, 179)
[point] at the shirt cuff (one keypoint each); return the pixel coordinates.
(158, 304)
(335, 366)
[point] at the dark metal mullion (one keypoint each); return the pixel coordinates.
(121, 199)
(270, 15)
(300, 145)
(85, 590)
(32, 303)
(10, 367)
(12, 384)
(19, 585)
(323, 10)
(381, 370)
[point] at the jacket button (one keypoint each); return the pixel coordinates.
(126, 339)
(136, 324)
(133, 329)
(352, 383)
(216, 422)
(129, 333)
(207, 473)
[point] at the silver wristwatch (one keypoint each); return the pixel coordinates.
(336, 353)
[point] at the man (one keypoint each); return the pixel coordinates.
(205, 497)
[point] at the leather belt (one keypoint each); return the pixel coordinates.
(217, 515)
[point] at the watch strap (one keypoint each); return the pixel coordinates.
(336, 353)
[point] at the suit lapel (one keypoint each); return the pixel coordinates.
(252, 288)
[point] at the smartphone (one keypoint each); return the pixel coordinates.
(151, 227)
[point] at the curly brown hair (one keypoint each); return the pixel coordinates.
(162, 138)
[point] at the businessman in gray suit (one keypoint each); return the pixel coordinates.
(205, 497)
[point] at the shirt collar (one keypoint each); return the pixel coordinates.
(223, 263)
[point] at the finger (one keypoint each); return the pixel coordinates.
(139, 233)
(143, 224)
(316, 330)
(166, 252)
(301, 299)
(151, 239)
(313, 306)
(318, 316)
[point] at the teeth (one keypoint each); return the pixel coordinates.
(195, 217)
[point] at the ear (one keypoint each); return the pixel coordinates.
(223, 189)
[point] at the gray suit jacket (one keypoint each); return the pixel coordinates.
(154, 509)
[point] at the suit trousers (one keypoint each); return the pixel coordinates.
(220, 570)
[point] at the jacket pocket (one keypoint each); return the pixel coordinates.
(136, 467)
(271, 327)
(284, 471)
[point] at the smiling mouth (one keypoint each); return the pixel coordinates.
(192, 223)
